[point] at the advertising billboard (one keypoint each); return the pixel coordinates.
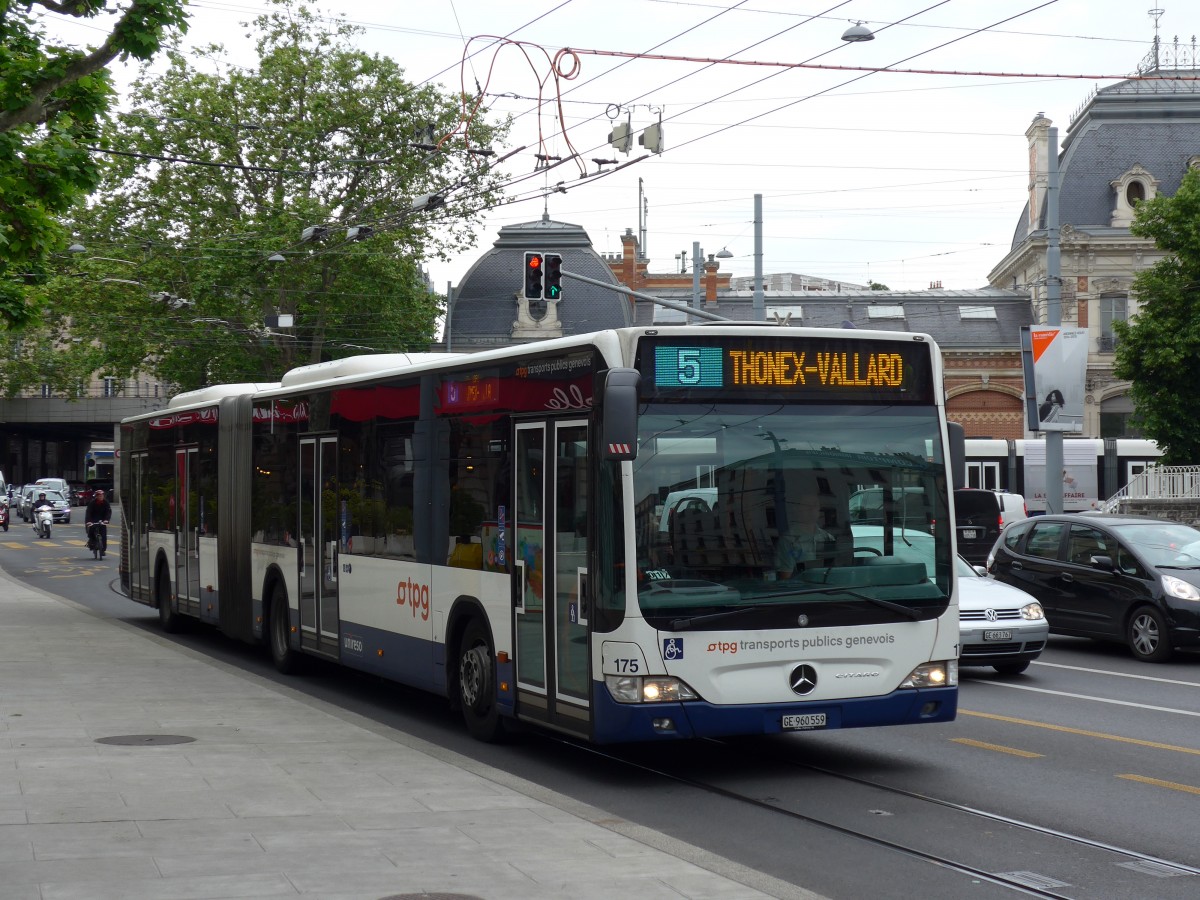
(1055, 364)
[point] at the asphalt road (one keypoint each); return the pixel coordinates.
(1088, 746)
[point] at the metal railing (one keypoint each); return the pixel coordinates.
(1158, 483)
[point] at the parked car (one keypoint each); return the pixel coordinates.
(1129, 579)
(101, 484)
(25, 504)
(999, 625)
(80, 494)
(979, 517)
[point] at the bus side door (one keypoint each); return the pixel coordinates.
(550, 570)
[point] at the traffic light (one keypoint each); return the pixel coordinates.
(553, 276)
(533, 276)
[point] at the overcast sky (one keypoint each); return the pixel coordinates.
(901, 178)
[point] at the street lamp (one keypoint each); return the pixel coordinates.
(857, 33)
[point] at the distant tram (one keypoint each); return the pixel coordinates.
(1094, 468)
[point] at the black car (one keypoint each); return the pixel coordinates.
(1123, 578)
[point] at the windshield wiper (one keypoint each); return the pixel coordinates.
(685, 622)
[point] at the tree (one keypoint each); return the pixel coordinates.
(233, 197)
(52, 101)
(1159, 348)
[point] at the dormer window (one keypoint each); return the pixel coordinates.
(1134, 187)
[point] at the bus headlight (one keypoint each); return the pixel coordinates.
(933, 674)
(648, 689)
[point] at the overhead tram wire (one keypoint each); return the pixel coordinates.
(556, 189)
(663, 43)
(485, 49)
(737, 90)
(865, 74)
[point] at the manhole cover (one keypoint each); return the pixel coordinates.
(427, 896)
(145, 740)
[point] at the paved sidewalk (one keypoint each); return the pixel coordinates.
(278, 795)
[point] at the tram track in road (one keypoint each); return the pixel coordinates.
(1014, 878)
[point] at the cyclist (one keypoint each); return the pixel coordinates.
(96, 519)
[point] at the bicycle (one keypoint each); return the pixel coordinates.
(97, 538)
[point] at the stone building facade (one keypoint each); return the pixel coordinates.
(1128, 142)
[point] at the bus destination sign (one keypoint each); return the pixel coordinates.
(818, 369)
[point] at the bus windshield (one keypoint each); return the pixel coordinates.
(760, 515)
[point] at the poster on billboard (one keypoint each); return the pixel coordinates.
(1080, 478)
(1055, 365)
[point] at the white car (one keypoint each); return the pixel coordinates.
(999, 625)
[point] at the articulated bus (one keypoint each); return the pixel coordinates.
(581, 534)
(1094, 469)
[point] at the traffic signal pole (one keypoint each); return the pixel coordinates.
(669, 304)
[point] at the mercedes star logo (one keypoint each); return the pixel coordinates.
(803, 679)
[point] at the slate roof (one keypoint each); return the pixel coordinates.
(1152, 123)
(484, 306)
(954, 318)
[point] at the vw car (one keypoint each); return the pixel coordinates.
(999, 625)
(1129, 579)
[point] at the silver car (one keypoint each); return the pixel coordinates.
(999, 625)
(62, 506)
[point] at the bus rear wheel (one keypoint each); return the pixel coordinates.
(168, 618)
(477, 683)
(283, 655)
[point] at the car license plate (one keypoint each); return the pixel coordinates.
(969, 534)
(997, 635)
(806, 722)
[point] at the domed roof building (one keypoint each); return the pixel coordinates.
(1128, 142)
(488, 307)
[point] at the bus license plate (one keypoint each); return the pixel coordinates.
(968, 534)
(806, 722)
(997, 635)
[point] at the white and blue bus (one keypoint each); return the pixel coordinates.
(580, 533)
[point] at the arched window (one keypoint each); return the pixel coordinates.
(1135, 186)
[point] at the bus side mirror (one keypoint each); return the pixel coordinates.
(619, 405)
(958, 454)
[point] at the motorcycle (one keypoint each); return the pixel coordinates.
(43, 520)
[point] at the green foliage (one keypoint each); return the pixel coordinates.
(52, 102)
(318, 134)
(1159, 349)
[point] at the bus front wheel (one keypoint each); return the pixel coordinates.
(477, 683)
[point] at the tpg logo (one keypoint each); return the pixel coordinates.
(415, 595)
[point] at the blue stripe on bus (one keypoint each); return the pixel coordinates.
(635, 722)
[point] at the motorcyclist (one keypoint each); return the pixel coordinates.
(39, 504)
(97, 516)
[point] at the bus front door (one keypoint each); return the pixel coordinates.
(550, 570)
(318, 549)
